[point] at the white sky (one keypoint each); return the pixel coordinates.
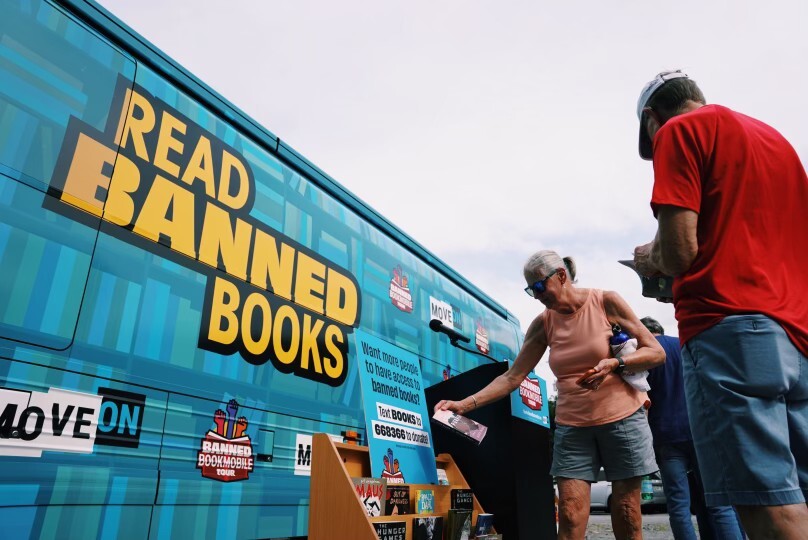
(490, 130)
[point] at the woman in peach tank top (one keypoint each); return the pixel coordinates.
(600, 421)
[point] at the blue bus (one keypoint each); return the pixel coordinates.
(179, 293)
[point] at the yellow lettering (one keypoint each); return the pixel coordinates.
(309, 290)
(310, 333)
(333, 366)
(86, 183)
(267, 261)
(218, 237)
(166, 141)
(342, 298)
(229, 164)
(135, 128)
(200, 167)
(120, 208)
(292, 334)
(224, 303)
(153, 220)
(256, 301)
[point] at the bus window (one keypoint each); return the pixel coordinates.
(54, 72)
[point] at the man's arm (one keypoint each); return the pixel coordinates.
(675, 246)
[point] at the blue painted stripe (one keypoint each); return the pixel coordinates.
(18, 494)
(213, 363)
(112, 514)
(170, 328)
(71, 379)
(42, 285)
(228, 514)
(32, 97)
(44, 75)
(158, 317)
(103, 302)
(128, 316)
(58, 293)
(152, 318)
(13, 123)
(5, 232)
(7, 189)
(167, 508)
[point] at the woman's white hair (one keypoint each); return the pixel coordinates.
(545, 261)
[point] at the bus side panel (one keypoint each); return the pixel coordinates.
(54, 72)
(79, 452)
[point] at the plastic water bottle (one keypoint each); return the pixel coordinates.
(647, 489)
(623, 344)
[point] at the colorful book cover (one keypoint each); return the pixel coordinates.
(372, 493)
(427, 528)
(391, 530)
(466, 427)
(398, 500)
(485, 522)
(424, 501)
(462, 499)
(458, 525)
(443, 479)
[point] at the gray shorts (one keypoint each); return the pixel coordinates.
(747, 396)
(623, 448)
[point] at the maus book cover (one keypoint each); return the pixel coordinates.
(372, 493)
(427, 528)
(462, 499)
(398, 500)
(466, 427)
(391, 530)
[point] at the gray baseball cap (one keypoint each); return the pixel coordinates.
(646, 149)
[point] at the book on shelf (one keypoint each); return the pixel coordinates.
(485, 522)
(398, 500)
(461, 499)
(427, 528)
(424, 501)
(391, 530)
(458, 525)
(372, 493)
(466, 427)
(443, 479)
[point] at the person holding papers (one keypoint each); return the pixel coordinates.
(600, 418)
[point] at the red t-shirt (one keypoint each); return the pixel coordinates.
(751, 193)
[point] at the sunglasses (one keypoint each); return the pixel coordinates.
(540, 286)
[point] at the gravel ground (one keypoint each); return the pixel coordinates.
(654, 527)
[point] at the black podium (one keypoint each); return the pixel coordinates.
(509, 471)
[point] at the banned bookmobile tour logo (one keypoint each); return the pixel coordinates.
(226, 453)
(400, 294)
(174, 183)
(530, 392)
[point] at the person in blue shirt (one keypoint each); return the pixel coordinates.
(675, 453)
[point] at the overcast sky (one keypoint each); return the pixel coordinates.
(490, 130)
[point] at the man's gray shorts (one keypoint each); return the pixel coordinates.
(623, 448)
(747, 399)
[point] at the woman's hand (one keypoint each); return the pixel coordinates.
(594, 377)
(449, 405)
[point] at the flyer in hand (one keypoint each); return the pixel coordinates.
(466, 427)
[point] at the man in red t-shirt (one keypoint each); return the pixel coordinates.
(731, 201)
